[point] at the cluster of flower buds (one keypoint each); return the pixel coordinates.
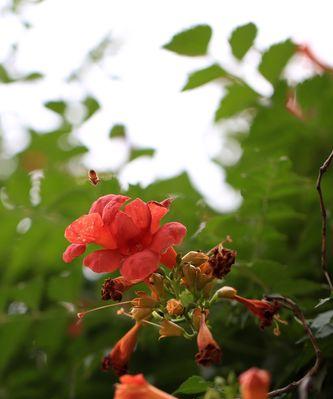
(179, 291)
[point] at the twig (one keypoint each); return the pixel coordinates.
(305, 380)
(324, 167)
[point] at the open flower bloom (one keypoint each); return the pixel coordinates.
(254, 384)
(130, 234)
(120, 355)
(209, 350)
(262, 309)
(136, 387)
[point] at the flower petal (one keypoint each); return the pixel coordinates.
(140, 265)
(124, 229)
(84, 229)
(169, 258)
(101, 202)
(139, 212)
(157, 211)
(73, 251)
(112, 207)
(103, 261)
(170, 234)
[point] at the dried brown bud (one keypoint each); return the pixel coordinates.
(113, 288)
(221, 261)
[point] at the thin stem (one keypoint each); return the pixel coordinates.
(324, 167)
(80, 315)
(304, 381)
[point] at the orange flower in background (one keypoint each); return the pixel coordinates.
(254, 384)
(136, 387)
(262, 309)
(120, 355)
(131, 236)
(209, 350)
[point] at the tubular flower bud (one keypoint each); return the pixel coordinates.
(190, 275)
(264, 310)
(196, 317)
(221, 261)
(143, 306)
(113, 288)
(136, 387)
(174, 307)
(209, 350)
(254, 384)
(120, 355)
(170, 329)
(156, 285)
(226, 292)
(195, 258)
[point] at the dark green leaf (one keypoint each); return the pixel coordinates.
(193, 385)
(242, 39)
(192, 42)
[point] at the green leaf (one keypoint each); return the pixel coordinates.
(140, 152)
(117, 131)
(238, 98)
(12, 335)
(275, 59)
(192, 42)
(193, 385)
(242, 39)
(57, 106)
(323, 324)
(33, 76)
(203, 76)
(92, 105)
(4, 76)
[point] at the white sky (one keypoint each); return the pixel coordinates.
(139, 84)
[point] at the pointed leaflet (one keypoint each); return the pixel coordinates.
(203, 76)
(242, 39)
(275, 59)
(192, 42)
(238, 98)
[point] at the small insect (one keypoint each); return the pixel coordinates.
(93, 177)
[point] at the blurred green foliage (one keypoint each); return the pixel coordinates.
(276, 232)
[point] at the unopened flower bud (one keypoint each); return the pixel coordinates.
(174, 307)
(195, 258)
(226, 292)
(254, 384)
(190, 275)
(170, 329)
